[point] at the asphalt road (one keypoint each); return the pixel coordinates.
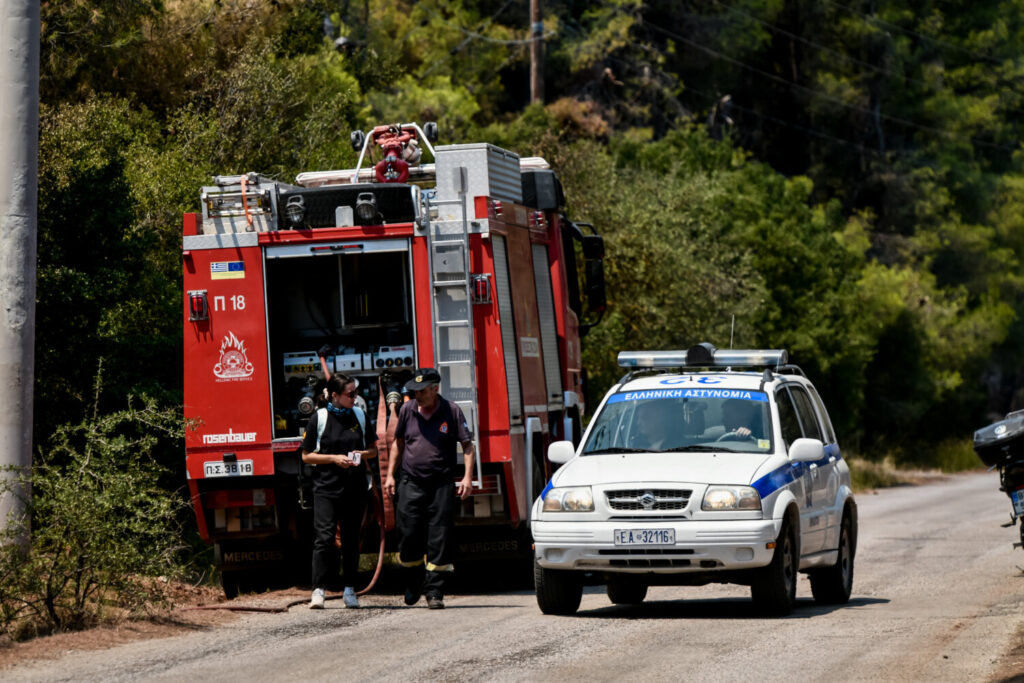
(938, 595)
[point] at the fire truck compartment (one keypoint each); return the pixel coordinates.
(354, 297)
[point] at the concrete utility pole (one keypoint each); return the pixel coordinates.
(536, 54)
(19, 165)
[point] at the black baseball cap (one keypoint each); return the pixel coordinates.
(423, 378)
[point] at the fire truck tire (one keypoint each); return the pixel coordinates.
(231, 582)
(626, 592)
(558, 592)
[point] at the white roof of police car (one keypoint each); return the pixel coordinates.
(723, 379)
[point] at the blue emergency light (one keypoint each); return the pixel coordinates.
(704, 355)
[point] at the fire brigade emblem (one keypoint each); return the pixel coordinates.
(233, 365)
(444, 427)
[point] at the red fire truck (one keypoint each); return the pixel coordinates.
(467, 264)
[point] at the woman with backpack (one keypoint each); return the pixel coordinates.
(335, 444)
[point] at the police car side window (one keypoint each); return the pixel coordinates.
(787, 417)
(805, 412)
(830, 435)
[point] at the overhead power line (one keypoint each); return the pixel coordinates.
(474, 35)
(796, 126)
(825, 96)
(840, 54)
(911, 32)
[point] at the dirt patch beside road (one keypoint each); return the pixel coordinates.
(1011, 666)
(181, 617)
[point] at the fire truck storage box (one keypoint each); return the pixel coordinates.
(1002, 441)
(348, 362)
(224, 210)
(396, 202)
(490, 172)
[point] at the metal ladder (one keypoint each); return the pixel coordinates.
(451, 304)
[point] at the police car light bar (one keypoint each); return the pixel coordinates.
(704, 355)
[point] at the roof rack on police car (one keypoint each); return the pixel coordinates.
(790, 369)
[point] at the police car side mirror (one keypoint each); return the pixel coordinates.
(806, 450)
(561, 452)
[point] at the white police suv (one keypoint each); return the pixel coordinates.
(699, 466)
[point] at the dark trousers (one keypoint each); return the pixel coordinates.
(327, 512)
(426, 518)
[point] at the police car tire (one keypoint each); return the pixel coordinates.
(558, 592)
(833, 585)
(626, 592)
(773, 588)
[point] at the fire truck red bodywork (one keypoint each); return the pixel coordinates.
(244, 473)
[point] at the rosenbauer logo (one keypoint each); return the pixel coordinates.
(233, 366)
(230, 437)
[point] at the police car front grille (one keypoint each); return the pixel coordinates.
(645, 551)
(672, 563)
(664, 499)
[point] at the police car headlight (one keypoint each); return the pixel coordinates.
(731, 498)
(578, 499)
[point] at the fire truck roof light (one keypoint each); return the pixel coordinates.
(704, 355)
(366, 206)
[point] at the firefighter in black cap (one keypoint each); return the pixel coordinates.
(429, 426)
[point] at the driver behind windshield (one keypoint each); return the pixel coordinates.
(737, 417)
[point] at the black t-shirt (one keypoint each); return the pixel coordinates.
(341, 436)
(430, 442)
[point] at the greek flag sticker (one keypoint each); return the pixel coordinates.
(227, 270)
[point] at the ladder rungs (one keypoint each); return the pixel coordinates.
(451, 283)
(450, 363)
(452, 323)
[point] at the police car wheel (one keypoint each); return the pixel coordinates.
(832, 586)
(773, 588)
(626, 592)
(558, 592)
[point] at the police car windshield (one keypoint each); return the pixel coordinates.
(683, 420)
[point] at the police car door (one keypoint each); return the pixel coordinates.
(829, 472)
(812, 527)
(820, 471)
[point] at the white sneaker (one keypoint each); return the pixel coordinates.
(317, 602)
(350, 598)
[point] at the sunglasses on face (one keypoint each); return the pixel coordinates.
(350, 394)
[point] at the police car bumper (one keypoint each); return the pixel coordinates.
(699, 546)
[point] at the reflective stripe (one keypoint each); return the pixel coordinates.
(780, 477)
(431, 567)
(414, 563)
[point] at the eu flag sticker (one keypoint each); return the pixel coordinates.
(227, 270)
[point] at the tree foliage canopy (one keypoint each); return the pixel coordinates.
(840, 178)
